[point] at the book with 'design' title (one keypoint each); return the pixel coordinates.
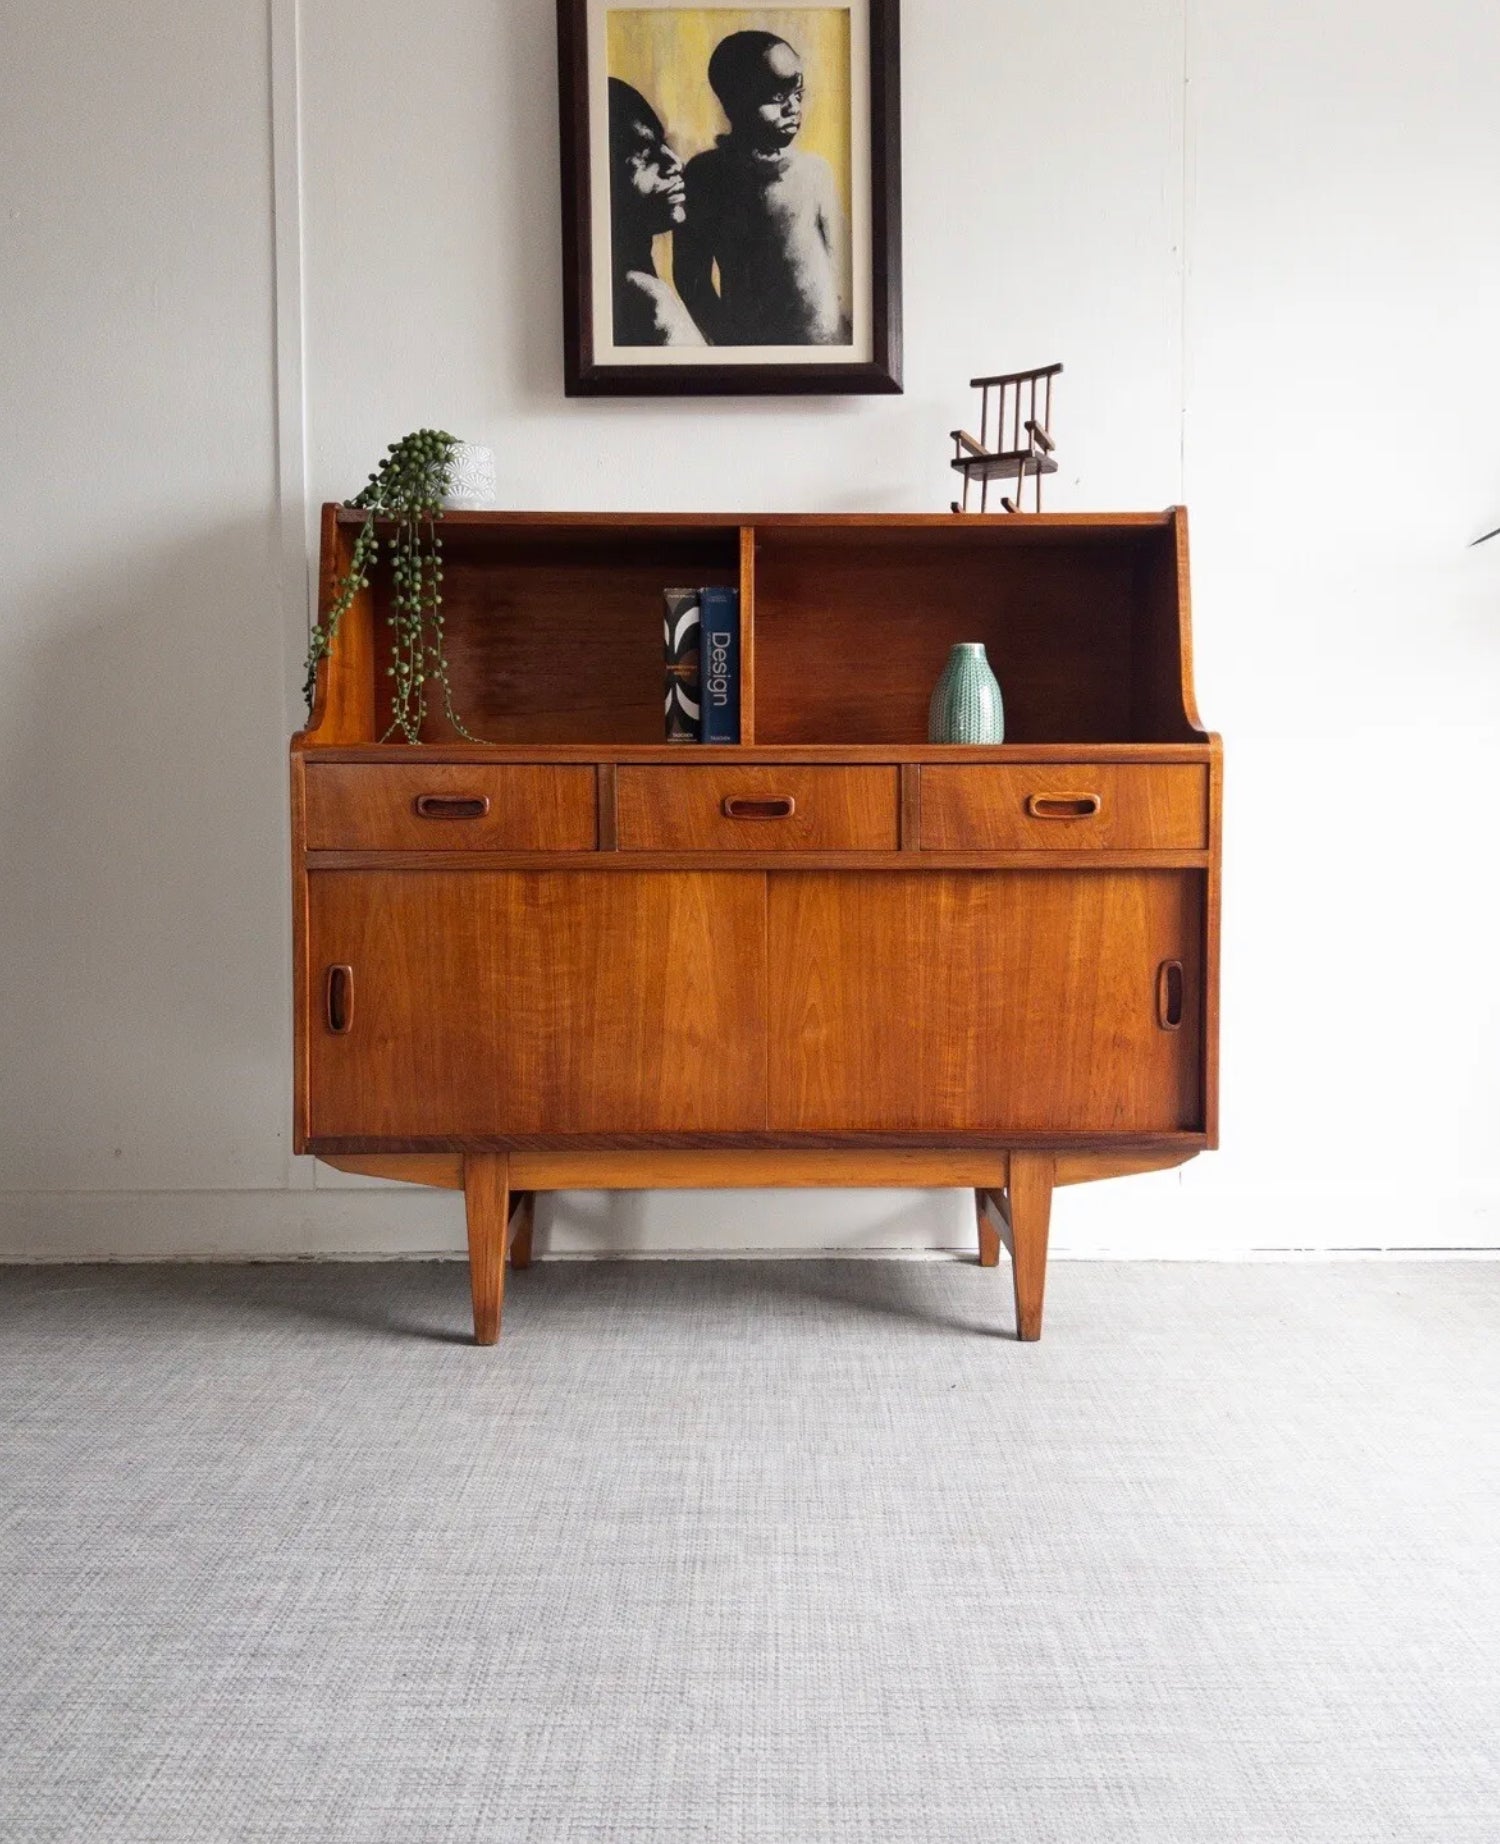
(721, 665)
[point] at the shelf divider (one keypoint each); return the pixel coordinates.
(747, 634)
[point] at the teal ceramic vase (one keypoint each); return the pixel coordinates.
(966, 705)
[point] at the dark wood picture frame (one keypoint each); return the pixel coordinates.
(585, 376)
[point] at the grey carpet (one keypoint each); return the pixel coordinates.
(783, 1552)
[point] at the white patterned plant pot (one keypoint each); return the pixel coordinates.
(471, 478)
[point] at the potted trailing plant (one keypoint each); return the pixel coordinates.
(406, 492)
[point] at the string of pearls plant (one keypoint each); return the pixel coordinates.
(407, 491)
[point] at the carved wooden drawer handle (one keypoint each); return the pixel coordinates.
(338, 1000)
(1169, 995)
(451, 806)
(1063, 806)
(772, 807)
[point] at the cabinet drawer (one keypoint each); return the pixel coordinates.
(1093, 806)
(521, 807)
(756, 809)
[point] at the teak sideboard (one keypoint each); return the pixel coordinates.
(833, 954)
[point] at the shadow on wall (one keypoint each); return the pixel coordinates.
(647, 1222)
(530, 213)
(713, 1223)
(143, 904)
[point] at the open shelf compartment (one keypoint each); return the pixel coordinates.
(1081, 627)
(554, 627)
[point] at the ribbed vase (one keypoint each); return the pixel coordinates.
(966, 704)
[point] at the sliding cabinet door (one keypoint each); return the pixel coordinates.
(469, 1003)
(1036, 1001)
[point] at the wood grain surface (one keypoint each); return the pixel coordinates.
(982, 1001)
(1064, 630)
(529, 807)
(487, 1210)
(677, 1168)
(495, 1002)
(999, 808)
(921, 964)
(555, 635)
(1028, 1198)
(683, 809)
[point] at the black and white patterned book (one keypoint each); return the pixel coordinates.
(683, 625)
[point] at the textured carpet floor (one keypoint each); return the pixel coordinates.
(783, 1552)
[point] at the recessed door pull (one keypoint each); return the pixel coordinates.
(1169, 995)
(451, 806)
(338, 999)
(772, 807)
(1063, 806)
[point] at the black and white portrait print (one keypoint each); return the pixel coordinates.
(729, 177)
(731, 197)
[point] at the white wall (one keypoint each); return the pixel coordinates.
(143, 971)
(1261, 237)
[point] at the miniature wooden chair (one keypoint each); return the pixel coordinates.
(1023, 447)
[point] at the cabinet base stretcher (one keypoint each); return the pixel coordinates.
(1012, 1193)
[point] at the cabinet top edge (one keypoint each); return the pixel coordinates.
(727, 755)
(1016, 523)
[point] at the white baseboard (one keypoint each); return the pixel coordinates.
(227, 1225)
(1139, 1219)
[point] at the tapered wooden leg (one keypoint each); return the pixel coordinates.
(523, 1214)
(989, 1236)
(487, 1205)
(1029, 1194)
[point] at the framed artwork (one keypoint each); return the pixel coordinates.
(731, 197)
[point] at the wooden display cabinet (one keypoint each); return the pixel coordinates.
(577, 956)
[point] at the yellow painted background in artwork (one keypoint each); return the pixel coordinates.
(664, 51)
